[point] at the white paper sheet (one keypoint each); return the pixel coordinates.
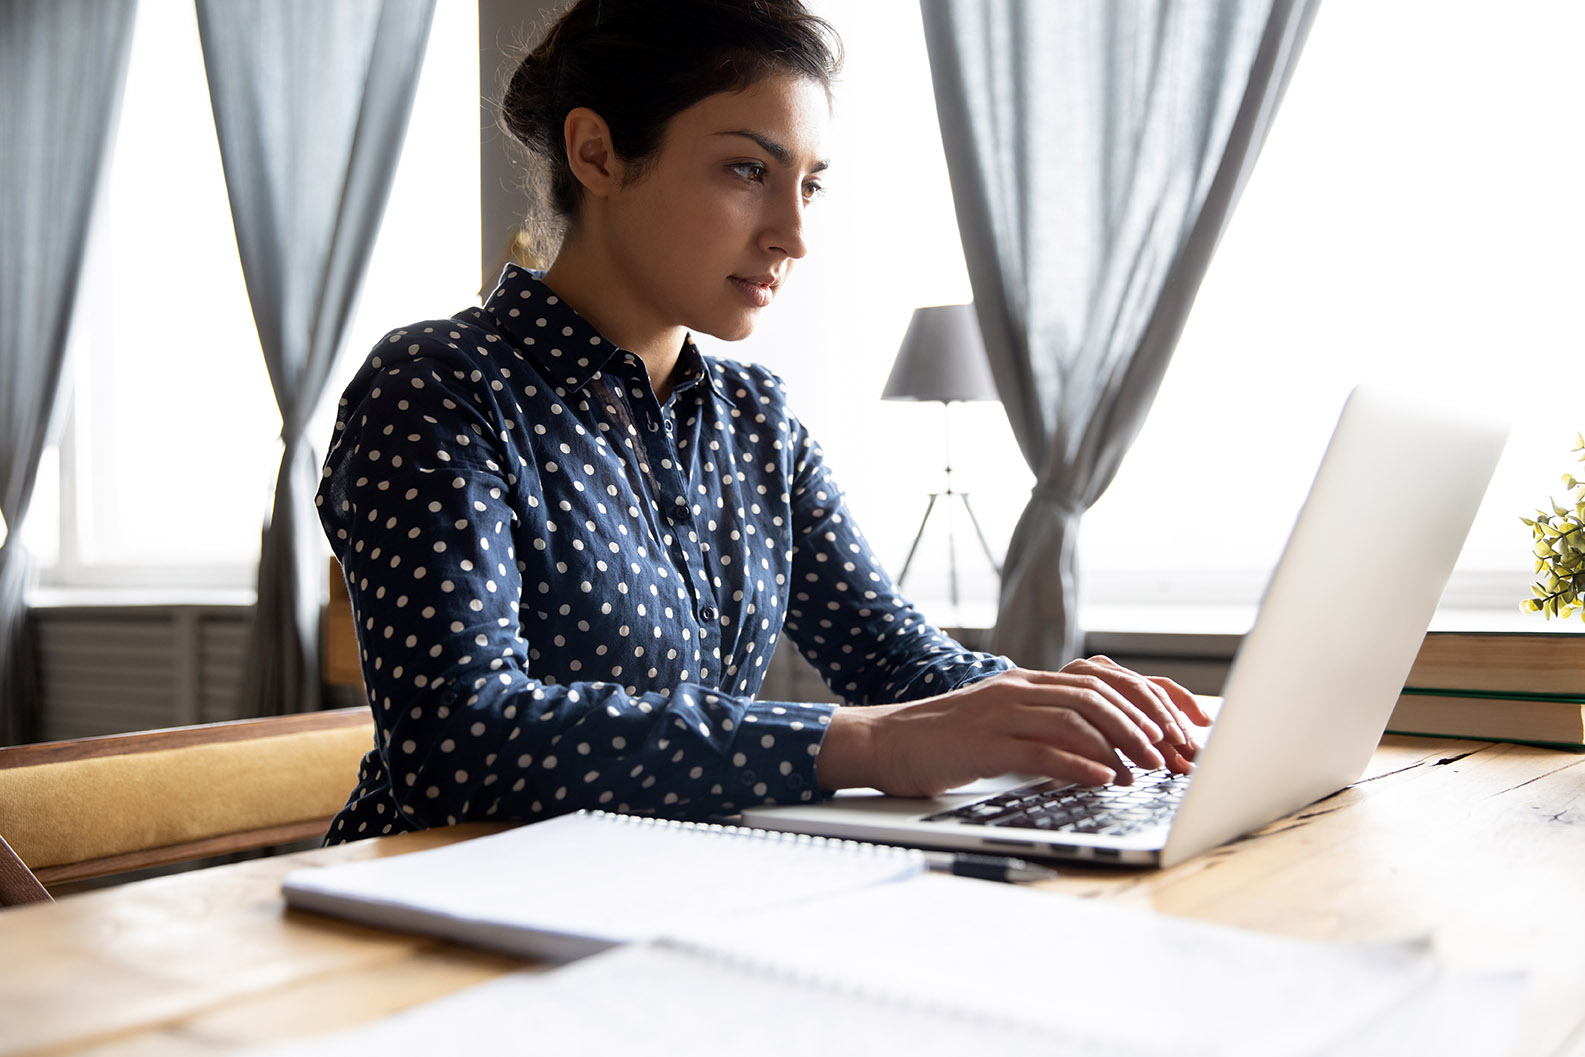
(947, 966)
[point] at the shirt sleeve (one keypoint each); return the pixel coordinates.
(869, 643)
(424, 499)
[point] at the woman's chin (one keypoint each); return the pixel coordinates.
(734, 329)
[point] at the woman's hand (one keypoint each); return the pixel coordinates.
(1077, 725)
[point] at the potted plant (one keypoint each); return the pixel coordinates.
(1560, 551)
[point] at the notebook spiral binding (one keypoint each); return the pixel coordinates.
(766, 836)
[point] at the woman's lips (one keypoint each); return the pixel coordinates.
(758, 291)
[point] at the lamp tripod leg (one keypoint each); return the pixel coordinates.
(952, 561)
(917, 537)
(984, 543)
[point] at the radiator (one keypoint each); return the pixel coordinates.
(111, 669)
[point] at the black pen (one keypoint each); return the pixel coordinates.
(987, 867)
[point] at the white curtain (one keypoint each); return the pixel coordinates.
(62, 67)
(311, 100)
(1096, 149)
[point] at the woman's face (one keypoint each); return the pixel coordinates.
(712, 225)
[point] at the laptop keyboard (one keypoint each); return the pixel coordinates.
(1112, 810)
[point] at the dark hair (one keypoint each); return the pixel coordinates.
(639, 63)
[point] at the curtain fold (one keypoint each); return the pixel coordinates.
(311, 102)
(1096, 150)
(62, 68)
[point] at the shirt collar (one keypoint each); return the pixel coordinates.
(565, 346)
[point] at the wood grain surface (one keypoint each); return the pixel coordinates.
(1479, 847)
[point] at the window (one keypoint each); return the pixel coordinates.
(1413, 220)
(150, 484)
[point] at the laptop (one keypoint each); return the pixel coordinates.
(1309, 692)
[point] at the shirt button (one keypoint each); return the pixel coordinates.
(709, 613)
(654, 427)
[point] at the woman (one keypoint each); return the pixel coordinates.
(572, 542)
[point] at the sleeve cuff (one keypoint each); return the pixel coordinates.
(773, 753)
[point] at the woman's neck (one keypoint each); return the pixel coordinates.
(584, 282)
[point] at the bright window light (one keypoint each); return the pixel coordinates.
(1408, 223)
(1411, 223)
(166, 476)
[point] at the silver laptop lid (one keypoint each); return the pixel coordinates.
(1343, 615)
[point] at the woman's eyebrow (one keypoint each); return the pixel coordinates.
(774, 149)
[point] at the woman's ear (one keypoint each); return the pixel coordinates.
(589, 152)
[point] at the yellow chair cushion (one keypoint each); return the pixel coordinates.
(72, 811)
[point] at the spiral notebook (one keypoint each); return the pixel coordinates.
(577, 884)
(945, 966)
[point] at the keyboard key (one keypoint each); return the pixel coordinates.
(1111, 810)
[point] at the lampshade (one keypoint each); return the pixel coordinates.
(942, 358)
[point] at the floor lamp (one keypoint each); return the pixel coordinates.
(942, 359)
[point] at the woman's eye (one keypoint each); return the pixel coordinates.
(813, 189)
(752, 171)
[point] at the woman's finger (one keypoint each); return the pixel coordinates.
(1049, 761)
(1120, 721)
(1185, 700)
(1151, 729)
(1177, 760)
(1164, 698)
(1171, 700)
(1083, 732)
(1139, 691)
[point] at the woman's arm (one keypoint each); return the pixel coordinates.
(941, 715)
(481, 713)
(844, 613)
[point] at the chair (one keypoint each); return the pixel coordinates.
(91, 807)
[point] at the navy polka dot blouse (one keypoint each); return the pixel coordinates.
(566, 592)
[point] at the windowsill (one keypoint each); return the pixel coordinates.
(140, 597)
(1216, 631)
(1234, 620)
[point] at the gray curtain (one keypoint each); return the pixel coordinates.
(62, 67)
(311, 101)
(1096, 149)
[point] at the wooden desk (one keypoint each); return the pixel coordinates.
(1481, 846)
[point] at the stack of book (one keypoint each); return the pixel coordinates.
(1497, 686)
